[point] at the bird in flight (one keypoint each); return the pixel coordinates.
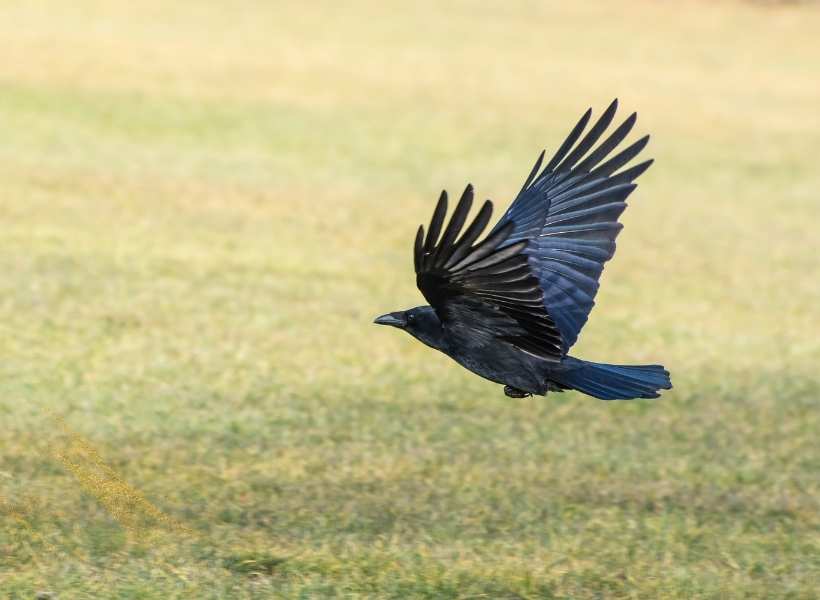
(510, 307)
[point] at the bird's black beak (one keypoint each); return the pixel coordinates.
(394, 319)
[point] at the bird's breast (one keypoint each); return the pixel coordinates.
(505, 364)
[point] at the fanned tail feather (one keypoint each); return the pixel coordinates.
(616, 382)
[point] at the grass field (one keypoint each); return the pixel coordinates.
(204, 205)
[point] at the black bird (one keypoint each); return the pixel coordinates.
(510, 306)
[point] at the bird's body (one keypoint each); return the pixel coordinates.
(500, 361)
(507, 365)
(508, 308)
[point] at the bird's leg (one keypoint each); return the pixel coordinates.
(515, 392)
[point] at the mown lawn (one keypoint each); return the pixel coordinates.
(203, 206)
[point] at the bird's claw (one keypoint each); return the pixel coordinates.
(515, 392)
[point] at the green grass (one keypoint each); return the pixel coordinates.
(203, 207)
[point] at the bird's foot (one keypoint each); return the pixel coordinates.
(515, 392)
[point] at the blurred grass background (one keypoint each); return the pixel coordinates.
(203, 206)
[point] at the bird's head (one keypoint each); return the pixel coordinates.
(421, 322)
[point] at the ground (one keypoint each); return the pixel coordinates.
(203, 207)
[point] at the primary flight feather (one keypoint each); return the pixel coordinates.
(510, 306)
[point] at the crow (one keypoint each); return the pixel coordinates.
(509, 307)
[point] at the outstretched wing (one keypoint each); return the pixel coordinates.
(569, 213)
(485, 291)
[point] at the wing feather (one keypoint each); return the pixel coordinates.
(569, 212)
(590, 138)
(463, 245)
(435, 224)
(532, 280)
(486, 290)
(446, 247)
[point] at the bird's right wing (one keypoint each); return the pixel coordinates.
(485, 291)
(569, 213)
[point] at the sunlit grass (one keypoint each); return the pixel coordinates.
(203, 208)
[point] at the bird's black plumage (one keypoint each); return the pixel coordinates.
(488, 287)
(510, 306)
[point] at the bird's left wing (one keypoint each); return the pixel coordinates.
(570, 211)
(486, 289)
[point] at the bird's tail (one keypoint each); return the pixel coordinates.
(616, 382)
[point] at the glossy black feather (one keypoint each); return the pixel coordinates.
(436, 222)
(568, 143)
(446, 247)
(609, 144)
(477, 289)
(590, 138)
(463, 245)
(569, 214)
(536, 167)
